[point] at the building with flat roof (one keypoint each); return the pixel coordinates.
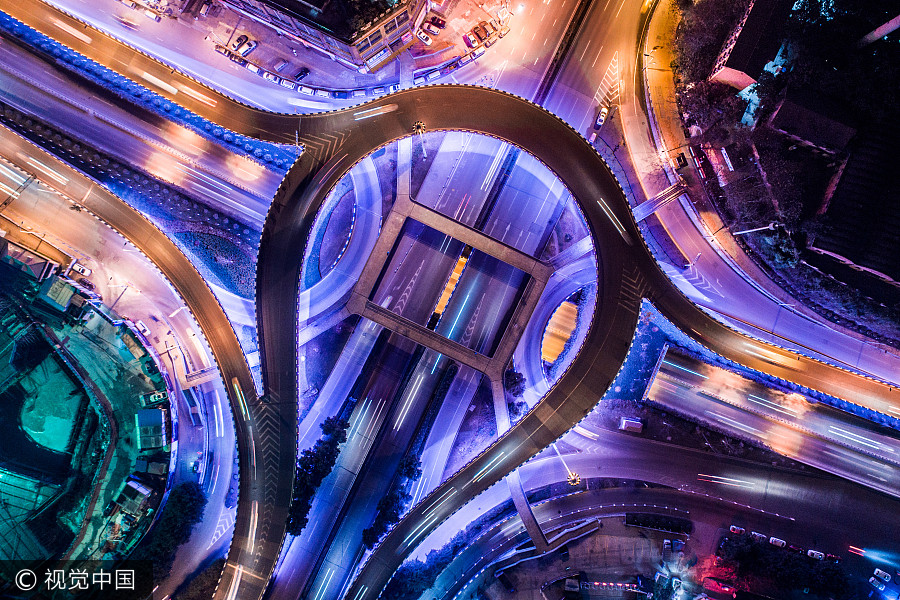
(332, 27)
(812, 122)
(753, 44)
(151, 428)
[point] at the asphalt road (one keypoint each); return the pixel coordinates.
(627, 273)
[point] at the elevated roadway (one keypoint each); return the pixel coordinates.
(333, 143)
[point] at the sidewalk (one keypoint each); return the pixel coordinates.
(669, 138)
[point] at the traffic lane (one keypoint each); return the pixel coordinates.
(788, 439)
(417, 272)
(482, 303)
(344, 546)
(725, 387)
(540, 196)
(51, 87)
(219, 180)
(449, 186)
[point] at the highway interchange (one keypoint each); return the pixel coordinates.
(334, 143)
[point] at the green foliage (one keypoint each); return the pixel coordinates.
(514, 383)
(703, 29)
(392, 505)
(183, 509)
(203, 585)
(783, 571)
(710, 103)
(313, 466)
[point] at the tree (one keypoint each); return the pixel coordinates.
(183, 509)
(514, 383)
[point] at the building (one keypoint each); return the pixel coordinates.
(862, 215)
(812, 122)
(151, 428)
(753, 44)
(327, 27)
(133, 497)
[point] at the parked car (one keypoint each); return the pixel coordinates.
(240, 41)
(301, 74)
(777, 542)
(795, 549)
(601, 117)
(139, 325)
(488, 27)
(480, 32)
(238, 60)
(471, 41)
(430, 29)
(79, 268)
(876, 584)
(88, 285)
(279, 65)
(736, 529)
(758, 537)
(204, 10)
(423, 36)
(152, 15)
(882, 575)
(438, 22)
(833, 558)
(271, 77)
(249, 47)
(815, 554)
(288, 84)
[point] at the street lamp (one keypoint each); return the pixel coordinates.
(770, 227)
(419, 129)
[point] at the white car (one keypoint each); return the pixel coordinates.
(876, 584)
(79, 268)
(815, 554)
(736, 529)
(885, 577)
(777, 542)
(424, 37)
(430, 29)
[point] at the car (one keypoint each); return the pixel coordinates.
(301, 74)
(139, 325)
(601, 117)
(438, 22)
(288, 84)
(279, 65)
(126, 22)
(79, 268)
(430, 29)
(358, 93)
(488, 27)
(833, 558)
(204, 10)
(480, 32)
(423, 36)
(777, 542)
(882, 575)
(152, 15)
(736, 529)
(758, 537)
(195, 467)
(876, 584)
(471, 41)
(240, 41)
(239, 60)
(88, 285)
(340, 94)
(252, 68)
(249, 47)
(271, 77)
(477, 52)
(815, 554)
